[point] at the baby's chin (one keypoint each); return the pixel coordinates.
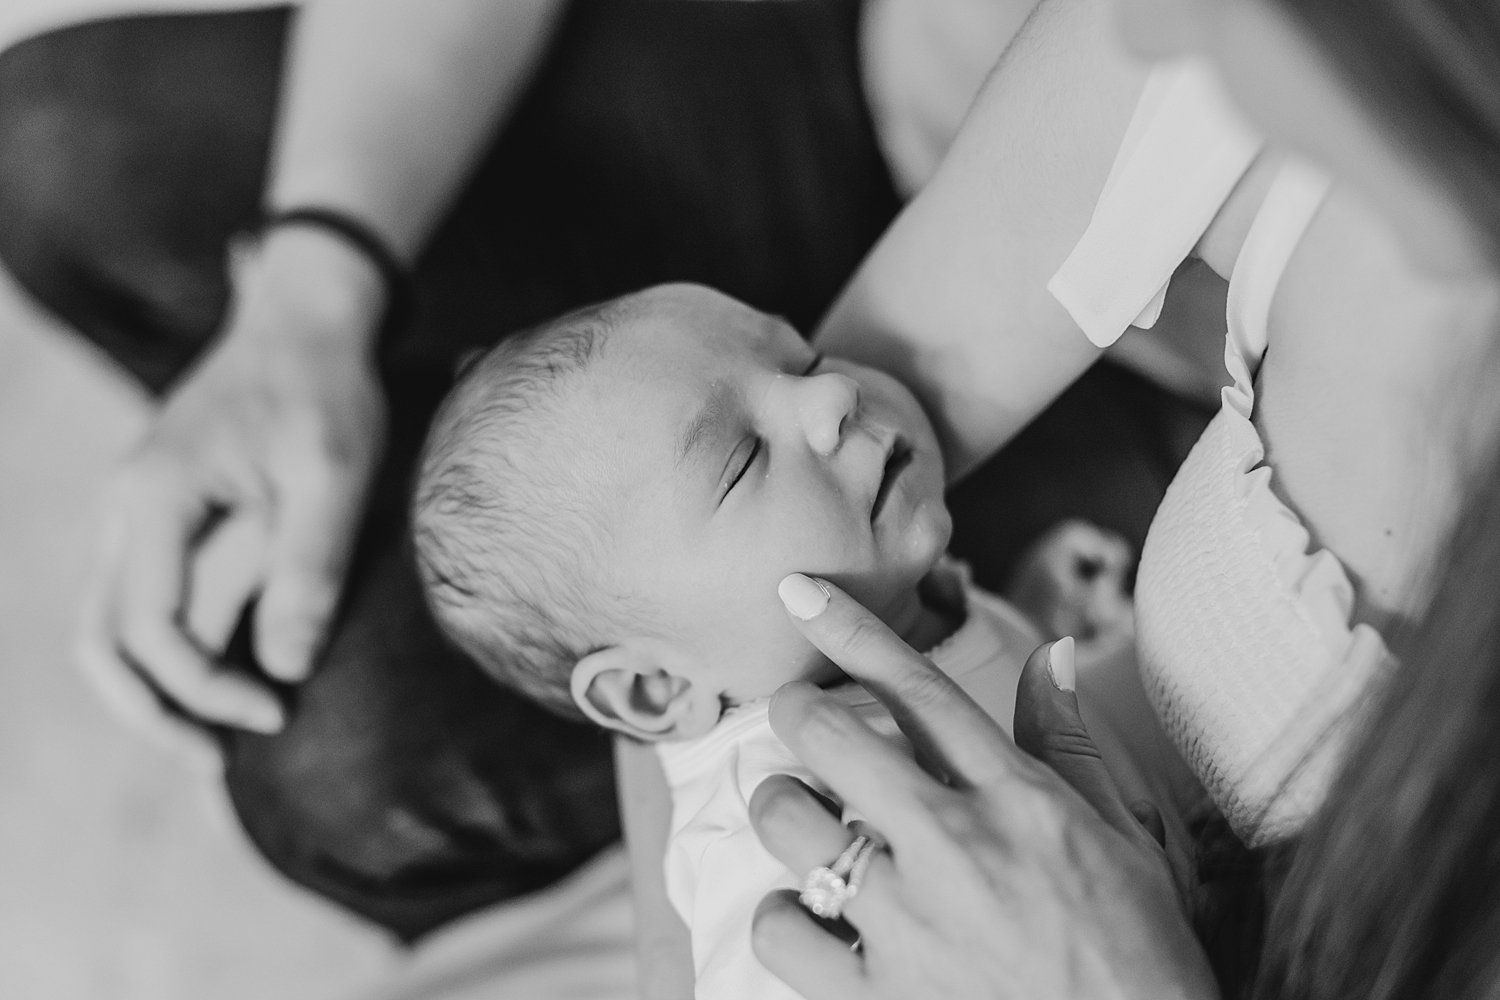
(895, 596)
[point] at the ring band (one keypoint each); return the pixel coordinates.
(827, 889)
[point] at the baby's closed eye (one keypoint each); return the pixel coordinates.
(741, 461)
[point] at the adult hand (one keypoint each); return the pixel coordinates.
(1002, 881)
(252, 479)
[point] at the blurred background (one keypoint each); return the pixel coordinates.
(121, 875)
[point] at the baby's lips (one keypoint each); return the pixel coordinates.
(895, 456)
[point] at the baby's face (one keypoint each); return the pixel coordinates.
(729, 454)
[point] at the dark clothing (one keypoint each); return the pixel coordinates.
(662, 140)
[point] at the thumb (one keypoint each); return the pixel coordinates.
(1050, 728)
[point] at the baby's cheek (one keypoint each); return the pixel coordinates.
(778, 657)
(803, 661)
(823, 547)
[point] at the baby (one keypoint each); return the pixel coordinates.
(604, 510)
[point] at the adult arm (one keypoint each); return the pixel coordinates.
(953, 299)
(387, 105)
(1015, 878)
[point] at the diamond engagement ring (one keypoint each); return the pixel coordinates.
(828, 888)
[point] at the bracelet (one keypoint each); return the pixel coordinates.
(394, 276)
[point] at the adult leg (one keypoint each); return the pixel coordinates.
(722, 143)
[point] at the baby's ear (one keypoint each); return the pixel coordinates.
(631, 689)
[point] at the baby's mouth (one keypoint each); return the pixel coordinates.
(895, 463)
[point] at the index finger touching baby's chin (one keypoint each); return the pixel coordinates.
(849, 634)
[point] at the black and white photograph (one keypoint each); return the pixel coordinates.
(749, 499)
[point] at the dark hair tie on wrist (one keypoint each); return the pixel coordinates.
(394, 275)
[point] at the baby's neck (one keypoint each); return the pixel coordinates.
(931, 619)
(930, 629)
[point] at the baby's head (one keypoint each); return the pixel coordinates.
(606, 504)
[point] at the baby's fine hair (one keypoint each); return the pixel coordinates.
(507, 544)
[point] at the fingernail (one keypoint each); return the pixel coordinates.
(265, 717)
(287, 660)
(296, 666)
(803, 596)
(1060, 665)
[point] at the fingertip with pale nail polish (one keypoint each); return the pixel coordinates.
(803, 596)
(1061, 665)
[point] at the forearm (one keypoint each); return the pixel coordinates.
(954, 298)
(387, 104)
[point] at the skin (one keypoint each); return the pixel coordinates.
(954, 300)
(725, 452)
(274, 437)
(1284, 85)
(1389, 262)
(1020, 876)
(1352, 353)
(271, 439)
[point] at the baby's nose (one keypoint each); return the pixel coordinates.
(825, 404)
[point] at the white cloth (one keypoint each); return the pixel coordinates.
(1116, 296)
(1183, 152)
(716, 869)
(1245, 641)
(573, 940)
